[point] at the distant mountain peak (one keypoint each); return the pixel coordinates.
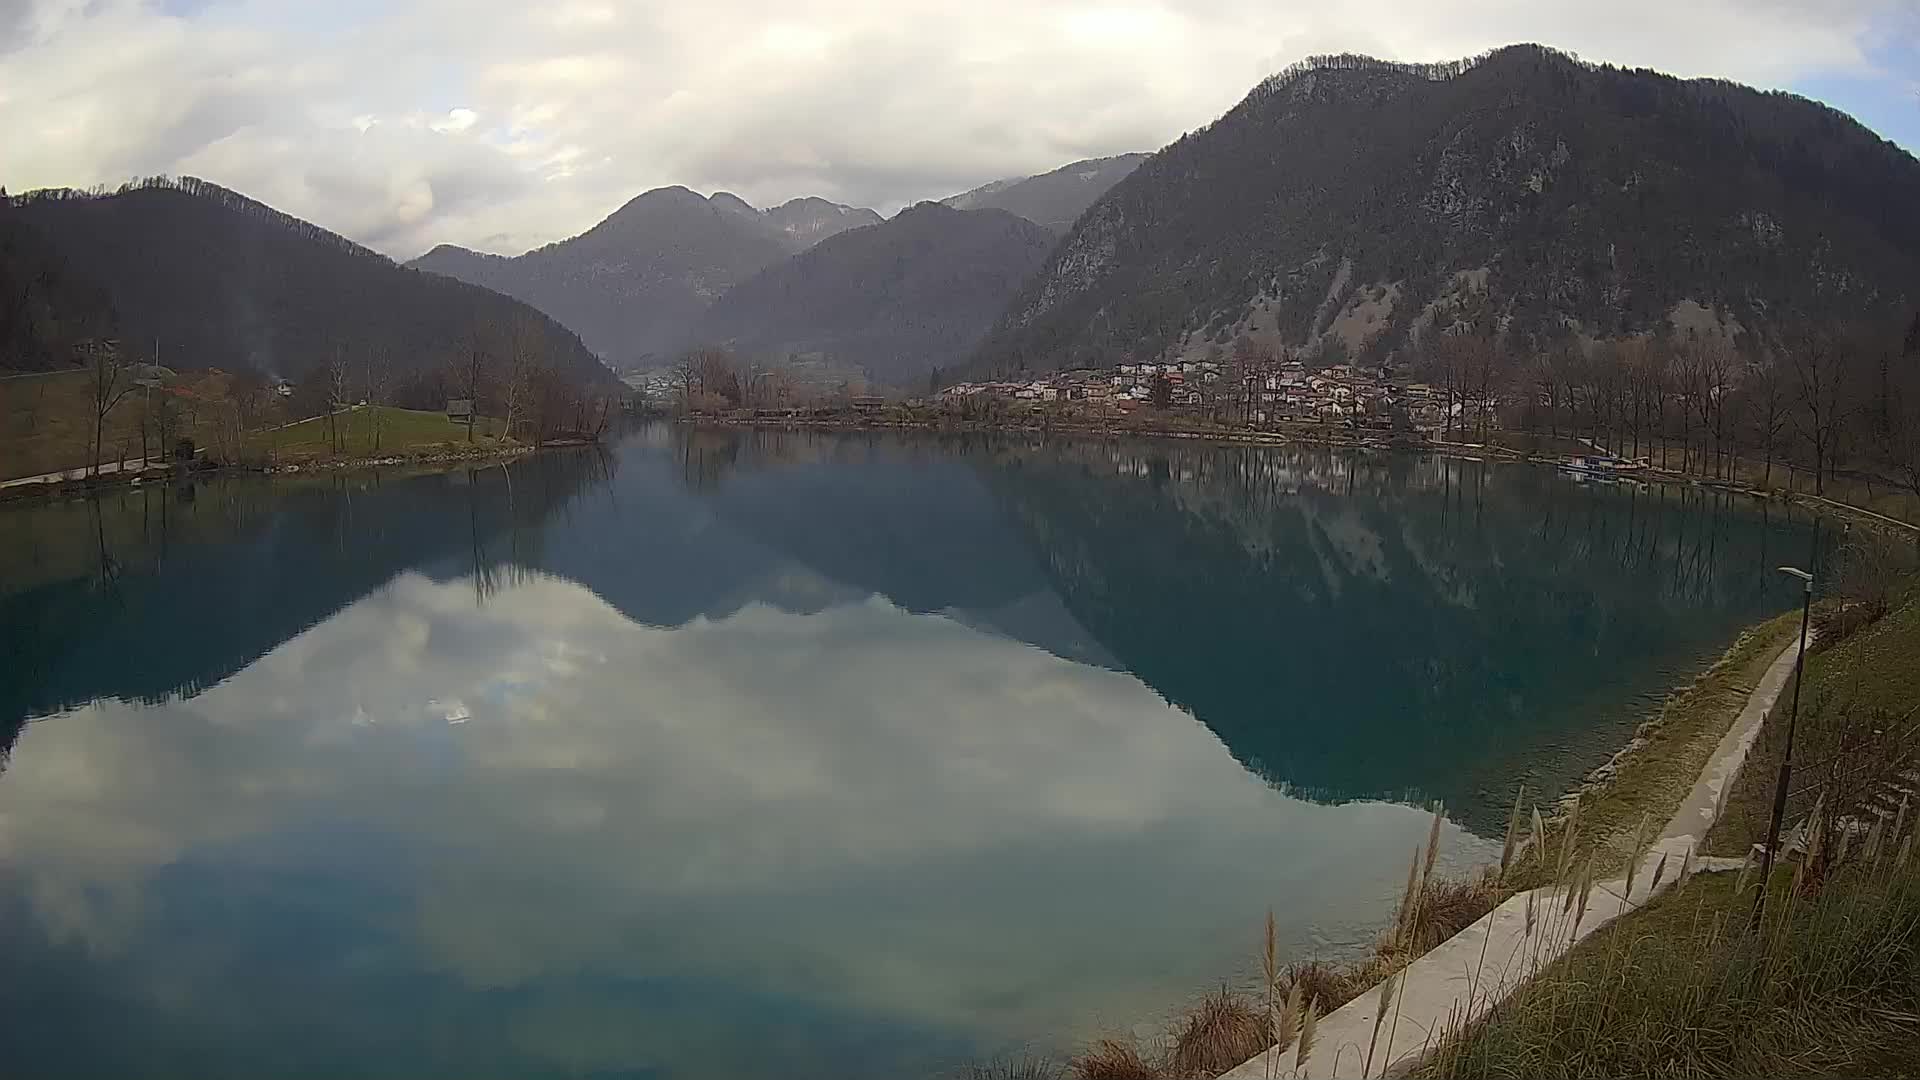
(1054, 199)
(895, 299)
(727, 200)
(633, 285)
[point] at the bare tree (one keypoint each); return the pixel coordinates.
(1767, 410)
(707, 379)
(36, 397)
(109, 381)
(1716, 384)
(468, 374)
(776, 387)
(1820, 406)
(526, 355)
(1903, 438)
(379, 386)
(718, 375)
(1658, 376)
(336, 396)
(686, 374)
(1486, 373)
(1690, 384)
(166, 425)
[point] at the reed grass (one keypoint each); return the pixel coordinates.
(1309, 1026)
(1513, 831)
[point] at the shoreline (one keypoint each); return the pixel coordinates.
(1673, 771)
(1449, 987)
(158, 474)
(1355, 440)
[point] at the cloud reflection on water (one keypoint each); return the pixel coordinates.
(878, 813)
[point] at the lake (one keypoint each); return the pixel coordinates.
(729, 754)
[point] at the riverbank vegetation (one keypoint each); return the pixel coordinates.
(116, 415)
(1827, 983)
(1822, 977)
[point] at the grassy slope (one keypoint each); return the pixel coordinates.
(1828, 987)
(1675, 990)
(401, 431)
(46, 424)
(1879, 667)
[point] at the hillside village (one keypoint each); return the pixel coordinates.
(1343, 393)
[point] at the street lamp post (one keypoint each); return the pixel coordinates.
(1786, 760)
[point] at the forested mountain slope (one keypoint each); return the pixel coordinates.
(222, 281)
(1348, 202)
(46, 307)
(897, 299)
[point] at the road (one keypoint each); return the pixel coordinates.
(81, 473)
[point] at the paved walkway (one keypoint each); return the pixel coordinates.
(106, 468)
(1463, 978)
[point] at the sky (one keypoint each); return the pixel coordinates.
(505, 124)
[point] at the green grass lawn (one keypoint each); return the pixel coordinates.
(400, 431)
(46, 426)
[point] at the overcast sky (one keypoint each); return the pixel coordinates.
(504, 124)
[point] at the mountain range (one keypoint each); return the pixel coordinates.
(1346, 208)
(898, 299)
(637, 286)
(214, 279)
(1348, 204)
(633, 286)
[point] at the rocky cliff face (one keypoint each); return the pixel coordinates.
(1347, 203)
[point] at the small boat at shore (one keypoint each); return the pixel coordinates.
(1599, 468)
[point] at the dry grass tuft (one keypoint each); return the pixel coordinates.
(1329, 984)
(1222, 1031)
(1019, 1069)
(1113, 1059)
(1445, 908)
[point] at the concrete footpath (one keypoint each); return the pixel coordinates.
(1470, 972)
(107, 468)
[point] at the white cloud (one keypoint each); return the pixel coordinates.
(456, 121)
(508, 125)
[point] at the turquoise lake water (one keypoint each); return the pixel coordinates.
(745, 754)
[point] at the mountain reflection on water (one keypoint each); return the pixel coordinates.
(731, 754)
